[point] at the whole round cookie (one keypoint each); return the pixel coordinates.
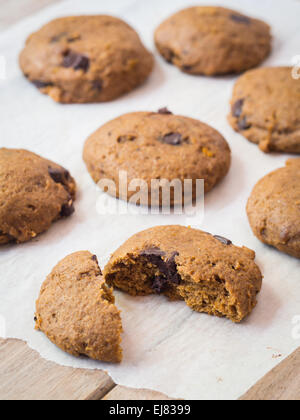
(274, 209)
(208, 272)
(86, 59)
(34, 193)
(76, 310)
(213, 41)
(265, 109)
(150, 146)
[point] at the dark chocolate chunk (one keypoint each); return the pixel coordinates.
(237, 108)
(35, 319)
(59, 175)
(165, 111)
(173, 139)
(240, 19)
(94, 258)
(58, 37)
(243, 124)
(67, 209)
(153, 251)
(76, 61)
(97, 85)
(168, 268)
(40, 85)
(223, 240)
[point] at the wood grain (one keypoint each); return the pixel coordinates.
(281, 384)
(26, 376)
(121, 393)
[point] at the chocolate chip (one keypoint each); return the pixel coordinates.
(67, 209)
(40, 85)
(173, 139)
(126, 138)
(59, 175)
(58, 37)
(237, 108)
(76, 61)
(223, 240)
(240, 19)
(165, 111)
(94, 258)
(168, 268)
(243, 124)
(97, 85)
(35, 319)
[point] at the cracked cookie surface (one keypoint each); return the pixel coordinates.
(274, 209)
(34, 193)
(208, 272)
(86, 59)
(76, 310)
(156, 146)
(213, 41)
(265, 109)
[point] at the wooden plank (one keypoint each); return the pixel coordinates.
(26, 376)
(14, 10)
(120, 393)
(281, 384)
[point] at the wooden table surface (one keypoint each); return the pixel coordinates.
(24, 375)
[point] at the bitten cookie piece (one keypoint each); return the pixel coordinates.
(213, 41)
(157, 146)
(209, 273)
(86, 59)
(34, 193)
(274, 209)
(265, 109)
(76, 310)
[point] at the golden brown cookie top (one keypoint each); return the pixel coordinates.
(76, 310)
(159, 145)
(274, 208)
(34, 192)
(213, 40)
(86, 59)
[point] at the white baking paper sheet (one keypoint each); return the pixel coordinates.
(167, 347)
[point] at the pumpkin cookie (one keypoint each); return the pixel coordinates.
(209, 273)
(265, 109)
(86, 59)
(213, 41)
(76, 310)
(34, 193)
(274, 209)
(157, 146)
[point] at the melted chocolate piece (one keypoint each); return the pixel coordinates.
(168, 268)
(240, 19)
(59, 175)
(237, 108)
(243, 124)
(40, 85)
(173, 139)
(76, 61)
(165, 111)
(223, 240)
(67, 209)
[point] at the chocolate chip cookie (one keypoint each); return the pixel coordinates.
(86, 59)
(34, 193)
(76, 310)
(208, 272)
(265, 109)
(213, 41)
(274, 209)
(156, 146)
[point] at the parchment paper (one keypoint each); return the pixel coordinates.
(167, 347)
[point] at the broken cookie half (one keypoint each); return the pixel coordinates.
(208, 272)
(76, 310)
